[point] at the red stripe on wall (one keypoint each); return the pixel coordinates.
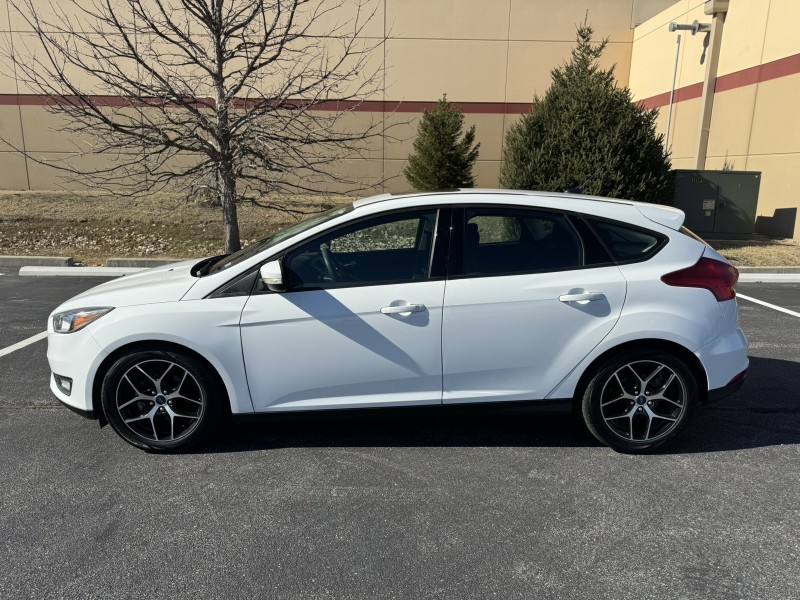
(685, 93)
(753, 75)
(782, 67)
(388, 106)
(771, 70)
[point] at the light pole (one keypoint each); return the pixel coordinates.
(717, 9)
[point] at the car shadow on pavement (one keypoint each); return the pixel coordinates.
(765, 412)
(382, 429)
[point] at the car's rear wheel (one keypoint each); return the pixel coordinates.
(639, 401)
(162, 401)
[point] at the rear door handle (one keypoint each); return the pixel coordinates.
(403, 308)
(584, 297)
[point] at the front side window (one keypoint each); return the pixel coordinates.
(501, 241)
(226, 262)
(388, 249)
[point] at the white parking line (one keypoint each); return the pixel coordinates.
(27, 342)
(768, 305)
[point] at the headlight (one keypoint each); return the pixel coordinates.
(73, 320)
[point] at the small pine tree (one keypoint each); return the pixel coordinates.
(442, 159)
(585, 132)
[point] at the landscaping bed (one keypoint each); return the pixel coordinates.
(91, 227)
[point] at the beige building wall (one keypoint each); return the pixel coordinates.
(755, 124)
(490, 56)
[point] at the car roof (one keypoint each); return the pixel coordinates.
(483, 192)
(598, 205)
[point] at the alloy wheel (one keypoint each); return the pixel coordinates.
(643, 401)
(160, 400)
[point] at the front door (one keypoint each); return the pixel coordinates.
(360, 323)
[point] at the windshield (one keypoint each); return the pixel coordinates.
(277, 237)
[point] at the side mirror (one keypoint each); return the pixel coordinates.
(272, 275)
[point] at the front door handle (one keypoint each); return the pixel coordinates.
(402, 308)
(583, 297)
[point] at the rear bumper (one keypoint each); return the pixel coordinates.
(724, 359)
(727, 390)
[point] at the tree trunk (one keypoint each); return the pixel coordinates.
(229, 217)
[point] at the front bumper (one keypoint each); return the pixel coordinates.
(77, 356)
(87, 414)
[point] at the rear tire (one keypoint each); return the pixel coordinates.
(162, 401)
(640, 400)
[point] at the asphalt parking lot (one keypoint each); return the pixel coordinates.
(449, 507)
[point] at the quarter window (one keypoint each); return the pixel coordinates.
(626, 243)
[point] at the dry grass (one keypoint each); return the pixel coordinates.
(774, 253)
(92, 227)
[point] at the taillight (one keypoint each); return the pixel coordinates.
(712, 275)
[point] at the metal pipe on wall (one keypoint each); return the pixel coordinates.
(672, 94)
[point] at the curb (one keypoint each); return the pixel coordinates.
(49, 266)
(769, 269)
(145, 263)
(34, 271)
(36, 261)
(793, 276)
(769, 277)
(68, 261)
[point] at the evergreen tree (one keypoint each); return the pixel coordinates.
(442, 159)
(585, 132)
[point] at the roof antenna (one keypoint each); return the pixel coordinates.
(578, 189)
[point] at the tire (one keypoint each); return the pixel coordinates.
(162, 401)
(622, 415)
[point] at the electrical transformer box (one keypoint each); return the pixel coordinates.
(718, 204)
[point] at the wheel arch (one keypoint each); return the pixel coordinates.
(681, 352)
(143, 346)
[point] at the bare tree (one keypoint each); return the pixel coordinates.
(245, 96)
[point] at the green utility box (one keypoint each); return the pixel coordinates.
(718, 204)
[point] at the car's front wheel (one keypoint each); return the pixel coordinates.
(162, 401)
(638, 401)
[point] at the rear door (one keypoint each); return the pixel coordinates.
(531, 292)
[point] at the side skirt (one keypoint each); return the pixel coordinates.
(523, 407)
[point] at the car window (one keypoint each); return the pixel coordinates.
(225, 262)
(628, 243)
(395, 235)
(496, 229)
(388, 249)
(508, 241)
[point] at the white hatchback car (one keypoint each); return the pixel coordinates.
(606, 307)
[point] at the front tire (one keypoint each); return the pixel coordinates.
(162, 401)
(639, 401)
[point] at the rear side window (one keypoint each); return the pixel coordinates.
(627, 243)
(503, 241)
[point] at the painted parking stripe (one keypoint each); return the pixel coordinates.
(768, 305)
(27, 342)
